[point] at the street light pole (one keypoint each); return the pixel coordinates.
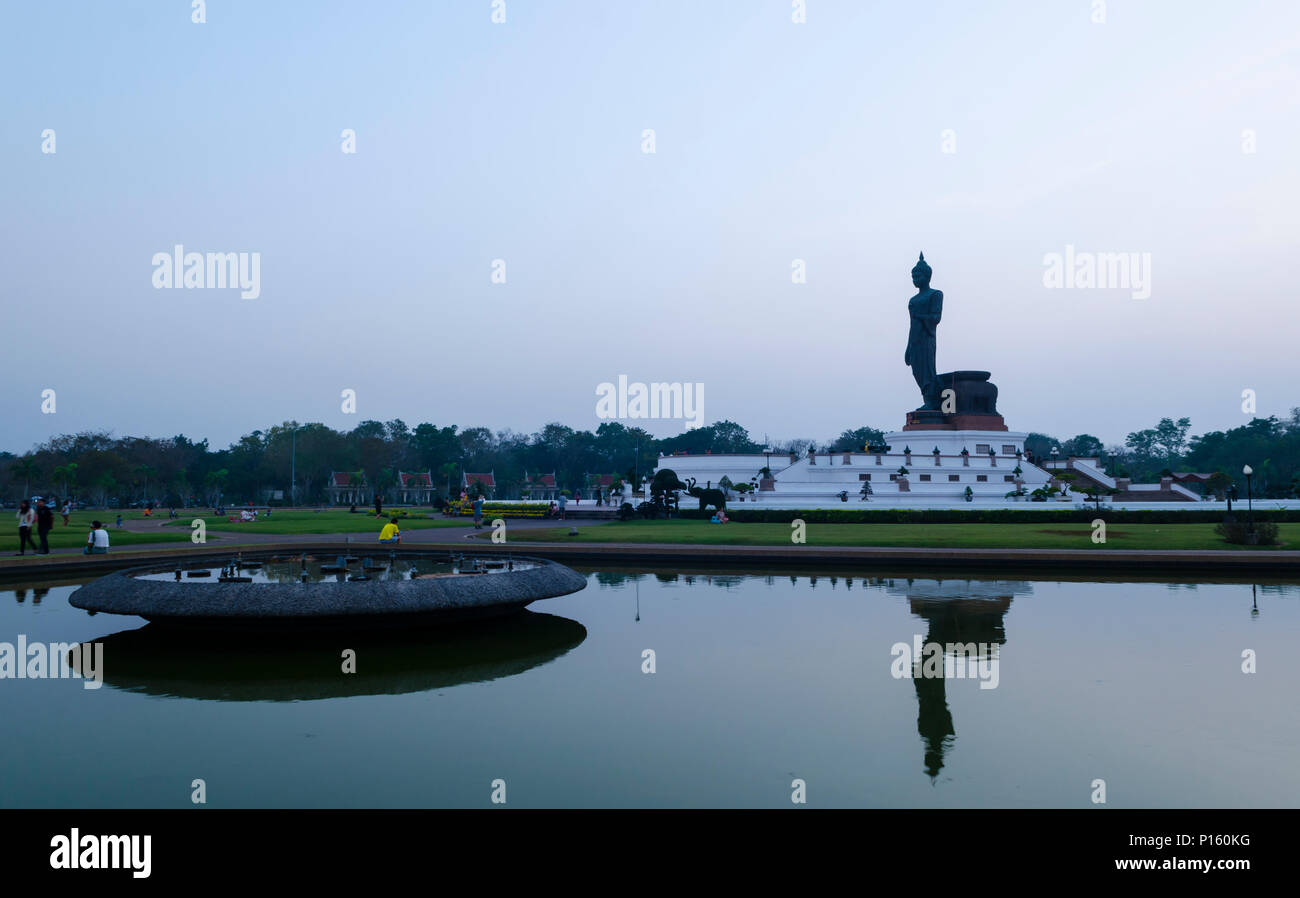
(293, 467)
(1250, 509)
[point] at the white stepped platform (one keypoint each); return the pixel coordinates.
(813, 481)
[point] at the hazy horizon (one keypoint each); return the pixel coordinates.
(1165, 131)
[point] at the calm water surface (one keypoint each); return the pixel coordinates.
(758, 680)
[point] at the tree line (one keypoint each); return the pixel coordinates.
(296, 459)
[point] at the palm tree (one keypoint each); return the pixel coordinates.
(106, 484)
(447, 470)
(68, 474)
(215, 481)
(387, 478)
(26, 468)
(145, 472)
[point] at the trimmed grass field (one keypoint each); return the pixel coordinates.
(1190, 537)
(74, 535)
(299, 521)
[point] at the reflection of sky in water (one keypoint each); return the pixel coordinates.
(759, 679)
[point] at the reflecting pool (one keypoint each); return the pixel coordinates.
(652, 689)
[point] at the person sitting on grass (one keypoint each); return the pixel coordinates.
(390, 533)
(97, 541)
(719, 517)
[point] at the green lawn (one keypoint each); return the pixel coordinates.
(329, 521)
(74, 535)
(999, 536)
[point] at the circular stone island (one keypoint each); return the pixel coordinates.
(392, 590)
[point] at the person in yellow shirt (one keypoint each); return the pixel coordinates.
(390, 533)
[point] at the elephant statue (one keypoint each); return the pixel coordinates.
(665, 481)
(707, 495)
(663, 494)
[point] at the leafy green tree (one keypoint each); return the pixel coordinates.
(856, 440)
(1040, 445)
(1085, 445)
(1171, 438)
(718, 438)
(67, 475)
(215, 484)
(1217, 484)
(28, 470)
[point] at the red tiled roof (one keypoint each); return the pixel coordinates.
(421, 478)
(485, 479)
(343, 478)
(546, 480)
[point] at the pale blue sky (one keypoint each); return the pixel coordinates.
(522, 141)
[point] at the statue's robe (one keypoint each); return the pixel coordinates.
(925, 308)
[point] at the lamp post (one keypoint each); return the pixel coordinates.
(1250, 510)
(293, 465)
(1055, 450)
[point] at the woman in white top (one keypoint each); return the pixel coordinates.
(26, 521)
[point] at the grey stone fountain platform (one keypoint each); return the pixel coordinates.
(378, 602)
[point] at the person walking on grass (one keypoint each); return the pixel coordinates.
(44, 524)
(66, 511)
(26, 521)
(478, 512)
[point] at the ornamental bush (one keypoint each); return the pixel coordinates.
(1239, 532)
(496, 509)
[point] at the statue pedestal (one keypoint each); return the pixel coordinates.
(922, 419)
(972, 398)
